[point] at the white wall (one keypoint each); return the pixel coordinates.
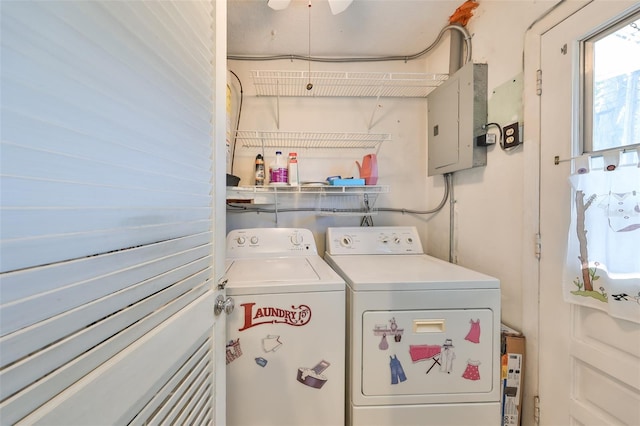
(489, 201)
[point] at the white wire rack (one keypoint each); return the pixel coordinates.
(247, 192)
(326, 200)
(271, 139)
(345, 84)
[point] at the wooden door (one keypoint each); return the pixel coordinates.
(589, 362)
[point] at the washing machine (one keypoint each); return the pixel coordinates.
(423, 342)
(286, 336)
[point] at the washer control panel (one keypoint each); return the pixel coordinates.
(270, 241)
(374, 240)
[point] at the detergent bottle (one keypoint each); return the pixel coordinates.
(278, 173)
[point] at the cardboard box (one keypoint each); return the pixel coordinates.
(512, 374)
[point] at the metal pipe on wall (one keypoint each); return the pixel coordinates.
(456, 48)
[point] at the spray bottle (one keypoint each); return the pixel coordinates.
(259, 171)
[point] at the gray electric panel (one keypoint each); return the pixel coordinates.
(457, 111)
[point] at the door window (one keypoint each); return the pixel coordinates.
(611, 94)
(602, 269)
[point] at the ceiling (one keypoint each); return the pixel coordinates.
(366, 28)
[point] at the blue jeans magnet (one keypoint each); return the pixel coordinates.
(397, 373)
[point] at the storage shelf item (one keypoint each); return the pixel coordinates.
(345, 84)
(329, 200)
(274, 139)
(246, 192)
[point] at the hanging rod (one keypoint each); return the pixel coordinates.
(629, 148)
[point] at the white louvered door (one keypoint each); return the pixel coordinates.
(112, 241)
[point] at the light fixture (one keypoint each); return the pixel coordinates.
(278, 4)
(337, 6)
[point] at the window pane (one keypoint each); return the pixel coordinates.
(616, 88)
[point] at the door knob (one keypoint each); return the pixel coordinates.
(223, 304)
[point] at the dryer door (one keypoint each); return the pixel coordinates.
(443, 354)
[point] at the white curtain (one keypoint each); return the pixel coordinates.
(602, 265)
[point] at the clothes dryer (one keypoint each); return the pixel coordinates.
(285, 351)
(423, 342)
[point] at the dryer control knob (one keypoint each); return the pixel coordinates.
(397, 240)
(345, 241)
(240, 240)
(254, 240)
(296, 239)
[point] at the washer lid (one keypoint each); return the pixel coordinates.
(406, 272)
(266, 275)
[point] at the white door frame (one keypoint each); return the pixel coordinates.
(531, 190)
(219, 68)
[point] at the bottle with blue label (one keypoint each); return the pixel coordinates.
(278, 172)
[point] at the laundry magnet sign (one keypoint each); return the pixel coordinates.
(383, 345)
(472, 372)
(397, 372)
(435, 355)
(474, 333)
(385, 330)
(447, 355)
(426, 352)
(271, 343)
(233, 350)
(254, 315)
(313, 377)
(397, 332)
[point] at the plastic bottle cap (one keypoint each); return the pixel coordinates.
(293, 154)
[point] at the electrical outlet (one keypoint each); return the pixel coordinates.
(511, 135)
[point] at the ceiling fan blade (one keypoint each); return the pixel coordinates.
(278, 4)
(338, 6)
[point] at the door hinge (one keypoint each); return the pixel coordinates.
(536, 409)
(538, 247)
(222, 283)
(539, 82)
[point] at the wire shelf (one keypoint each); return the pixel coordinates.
(330, 200)
(248, 191)
(345, 84)
(270, 139)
